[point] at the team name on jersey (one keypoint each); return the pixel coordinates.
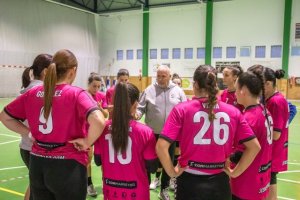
(110, 128)
(205, 105)
(57, 93)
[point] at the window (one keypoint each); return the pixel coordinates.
(260, 51)
(139, 54)
(295, 51)
(176, 53)
(129, 54)
(230, 52)
(153, 53)
(276, 51)
(164, 54)
(188, 53)
(297, 31)
(217, 52)
(119, 54)
(200, 53)
(245, 51)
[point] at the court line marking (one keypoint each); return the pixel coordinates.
(289, 181)
(10, 142)
(9, 168)
(15, 136)
(292, 171)
(285, 198)
(11, 191)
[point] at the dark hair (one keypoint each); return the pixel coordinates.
(126, 94)
(269, 74)
(94, 77)
(123, 72)
(175, 76)
(26, 77)
(206, 78)
(235, 69)
(62, 62)
(253, 81)
(41, 62)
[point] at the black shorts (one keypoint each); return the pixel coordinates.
(57, 179)
(25, 155)
(171, 150)
(273, 180)
(204, 187)
(235, 198)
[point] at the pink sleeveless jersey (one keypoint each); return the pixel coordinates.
(278, 107)
(258, 174)
(70, 109)
(205, 145)
(230, 98)
(125, 175)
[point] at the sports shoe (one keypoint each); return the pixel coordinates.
(91, 191)
(164, 195)
(172, 184)
(154, 184)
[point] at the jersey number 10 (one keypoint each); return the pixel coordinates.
(111, 151)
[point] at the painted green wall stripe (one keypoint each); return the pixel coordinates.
(145, 41)
(208, 32)
(286, 36)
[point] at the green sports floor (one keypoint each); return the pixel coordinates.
(14, 175)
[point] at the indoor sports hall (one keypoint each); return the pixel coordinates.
(141, 36)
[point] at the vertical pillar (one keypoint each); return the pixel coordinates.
(208, 31)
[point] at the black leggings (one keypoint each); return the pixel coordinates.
(203, 187)
(54, 179)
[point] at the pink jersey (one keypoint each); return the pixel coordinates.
(205, 145)
(258, 174)
(125, 175)
(279, 109)
(70, 108)
(230, 98)
(100, 97)
(109, 98)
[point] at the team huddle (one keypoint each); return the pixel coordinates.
(231, 145)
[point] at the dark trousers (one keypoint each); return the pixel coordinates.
(25, 155)
(203, 187)
(54, 179)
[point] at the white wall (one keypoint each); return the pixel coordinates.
(249, 23)
(235, 23)
(30, 27)
(170, 27)
(120, 31)
(294, 62)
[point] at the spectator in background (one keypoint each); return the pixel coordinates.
(122, 76)
(156, 102)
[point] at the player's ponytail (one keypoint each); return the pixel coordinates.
(126, 94)
(63, 61)
(49, 87)
(212, 90)
(205, 77)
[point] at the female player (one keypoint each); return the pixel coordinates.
(249, 88)
(38, 70)
(56, 119)
(126, 149)
(206, 129)
(94, 84)
(276, 103)
(230, 74)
